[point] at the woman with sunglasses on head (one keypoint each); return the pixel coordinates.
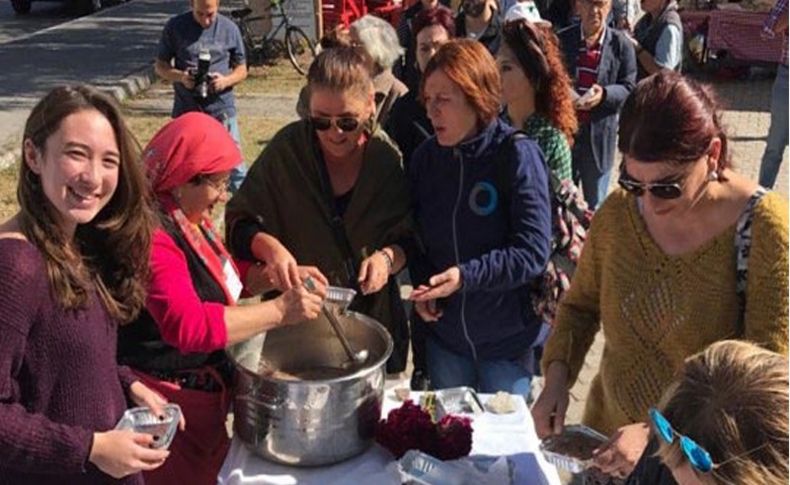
(536, 90)
(176, 345)
(658, 271)
(69, 275)
(329, 191)
(481, 202)
(723, 421)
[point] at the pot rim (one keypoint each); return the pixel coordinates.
(371, 322)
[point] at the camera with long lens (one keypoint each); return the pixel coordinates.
(202, 78)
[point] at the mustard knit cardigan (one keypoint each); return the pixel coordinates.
(655, 310)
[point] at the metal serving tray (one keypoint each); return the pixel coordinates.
(453, 400)
(558, 448)
(142, 420)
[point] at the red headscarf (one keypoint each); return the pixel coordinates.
(193, 144)
(190, 145)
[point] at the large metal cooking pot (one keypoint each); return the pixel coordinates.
(310, 422)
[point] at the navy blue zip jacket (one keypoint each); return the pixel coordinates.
(500, 241)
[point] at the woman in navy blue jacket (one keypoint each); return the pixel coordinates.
(481, 201)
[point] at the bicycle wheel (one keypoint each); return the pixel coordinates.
(300, 48)
(251, 53)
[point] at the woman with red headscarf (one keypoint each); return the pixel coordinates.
(176, 346)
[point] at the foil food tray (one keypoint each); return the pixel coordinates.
(142, 420)
(572, 449)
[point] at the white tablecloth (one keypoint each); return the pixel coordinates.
(511, 435)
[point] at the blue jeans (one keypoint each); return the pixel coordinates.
(238, 172)
(448, 369)
(777, 133)
(594, 182)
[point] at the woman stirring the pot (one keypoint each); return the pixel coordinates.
(329, 191)
(176, 345)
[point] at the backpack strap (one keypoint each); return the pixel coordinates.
(504, 173)
(743, 245)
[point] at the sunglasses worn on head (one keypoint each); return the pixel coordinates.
(344, 123)
(698, 457)
(662, 190)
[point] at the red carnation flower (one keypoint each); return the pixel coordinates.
(455, 437)
(410, 428)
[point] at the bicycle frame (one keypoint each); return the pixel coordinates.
(285, 21)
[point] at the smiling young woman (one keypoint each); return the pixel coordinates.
(659, 271)
(69, 275)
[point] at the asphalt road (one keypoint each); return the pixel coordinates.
(41, 16)
(107, 49)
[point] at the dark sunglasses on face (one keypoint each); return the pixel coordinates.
(698, 457)
(344, 123)
(662, 190)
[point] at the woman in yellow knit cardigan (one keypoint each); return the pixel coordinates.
(658, 271)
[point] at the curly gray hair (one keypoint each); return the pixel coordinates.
(379, 39)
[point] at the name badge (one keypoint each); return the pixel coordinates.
(232, 281)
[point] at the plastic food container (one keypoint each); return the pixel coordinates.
(340, 297)
(142, 420)
(416, 467)
(419, 468)
(572, 450)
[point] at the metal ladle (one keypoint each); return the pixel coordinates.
(355, 357)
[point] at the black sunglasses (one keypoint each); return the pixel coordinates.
(344, 123)
(662, 190)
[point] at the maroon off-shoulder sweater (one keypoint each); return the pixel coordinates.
(59, 381)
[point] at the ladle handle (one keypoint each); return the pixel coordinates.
(310, 285)
(339, 332)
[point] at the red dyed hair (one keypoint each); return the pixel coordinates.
(671, 118)
(469, 65)
(536, 49)
(438, 15)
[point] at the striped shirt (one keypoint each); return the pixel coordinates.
(587, 62)
(779, 9)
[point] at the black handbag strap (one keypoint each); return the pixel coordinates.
(743, 246)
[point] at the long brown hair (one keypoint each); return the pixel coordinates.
(732, 400)
(536, 49)
(110, 253)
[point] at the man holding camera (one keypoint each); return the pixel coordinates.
(202, 53)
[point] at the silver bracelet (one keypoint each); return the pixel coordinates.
(390, 262)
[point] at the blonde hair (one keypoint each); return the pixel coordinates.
(732, 399)
(341, 69)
